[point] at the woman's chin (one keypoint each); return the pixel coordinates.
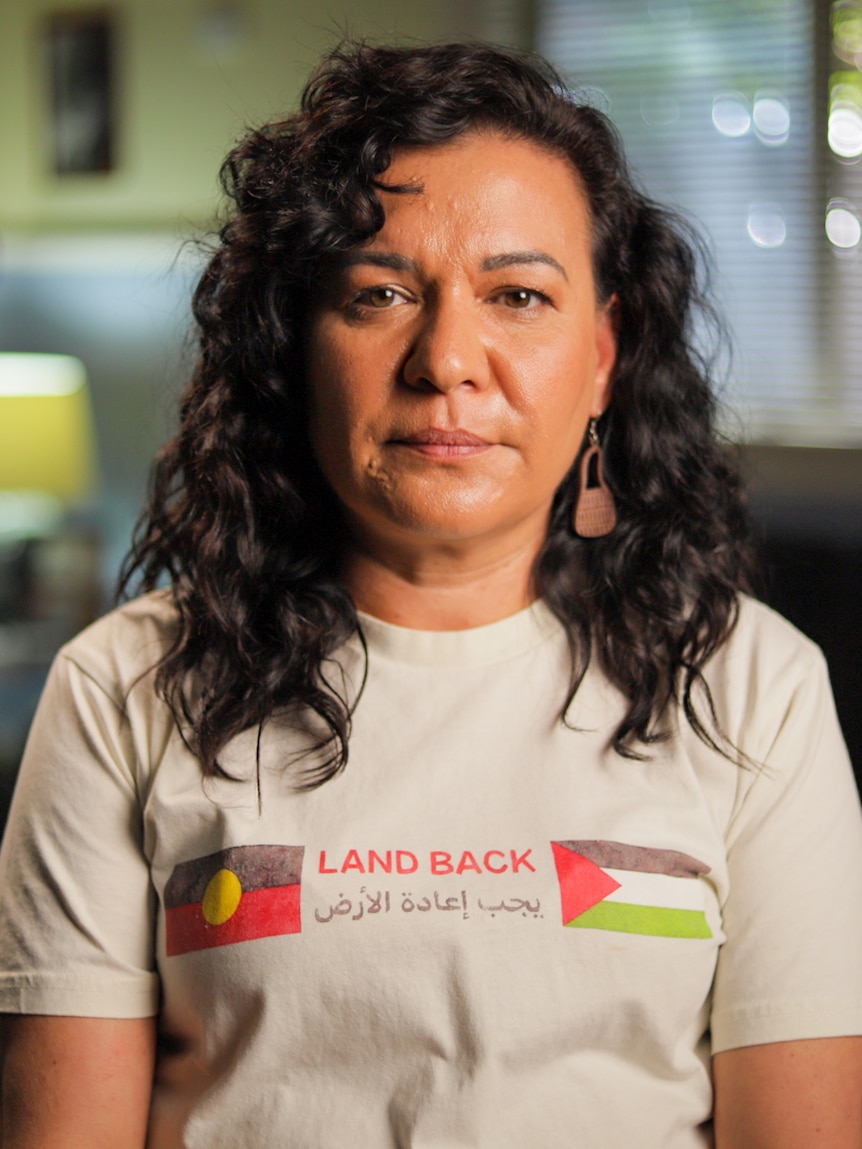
(448, 524)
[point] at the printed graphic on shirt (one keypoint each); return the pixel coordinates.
(630, 889)
(494, 877)
(234, 895)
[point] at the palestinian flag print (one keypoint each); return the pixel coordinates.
(234, 895)
(631, 889)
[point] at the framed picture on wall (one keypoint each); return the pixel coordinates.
(82, 81)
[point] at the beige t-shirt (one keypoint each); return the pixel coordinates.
(490, 930)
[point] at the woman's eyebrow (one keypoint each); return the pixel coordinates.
(379, 259)
(395, 262)
(511, 258)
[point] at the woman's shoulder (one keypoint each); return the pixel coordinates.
(124, 646)
(767, 644)
(762, 630)
(761, 674)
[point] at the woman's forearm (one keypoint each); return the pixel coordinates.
(790, 1094)
(76, 1082)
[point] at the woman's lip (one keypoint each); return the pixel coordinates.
(435, 443)
(434, 437)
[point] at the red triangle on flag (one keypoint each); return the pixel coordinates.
(582, 883)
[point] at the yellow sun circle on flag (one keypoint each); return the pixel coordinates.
(221, 897)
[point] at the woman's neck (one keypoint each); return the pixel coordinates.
(440, 589)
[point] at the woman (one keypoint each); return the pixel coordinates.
(507, 856)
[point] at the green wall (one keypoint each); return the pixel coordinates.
(181, 101)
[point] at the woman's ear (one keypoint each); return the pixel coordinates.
(607, 321)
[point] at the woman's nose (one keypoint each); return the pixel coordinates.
(448, 350)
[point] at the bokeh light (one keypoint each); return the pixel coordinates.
(843, 228)
(730, 114)
(844, 130)
(659, 111)
(771, 117)
(847, 33)
(766, 226)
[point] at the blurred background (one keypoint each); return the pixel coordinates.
(747, 114)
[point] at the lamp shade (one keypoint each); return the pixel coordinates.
(46, 426)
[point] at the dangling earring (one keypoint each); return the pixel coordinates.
(595, 511)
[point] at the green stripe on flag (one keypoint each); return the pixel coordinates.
(658, 921)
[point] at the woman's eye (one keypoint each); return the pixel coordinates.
(522, 298)
(369, 299)
(379, 297)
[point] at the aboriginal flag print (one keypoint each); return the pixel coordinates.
(235, 895)
(631, 889)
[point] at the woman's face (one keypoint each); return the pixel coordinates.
(455, 359)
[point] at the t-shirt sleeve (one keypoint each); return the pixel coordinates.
(792, 964)
(76, 901)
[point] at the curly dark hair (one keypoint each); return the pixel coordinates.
(240, 519)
